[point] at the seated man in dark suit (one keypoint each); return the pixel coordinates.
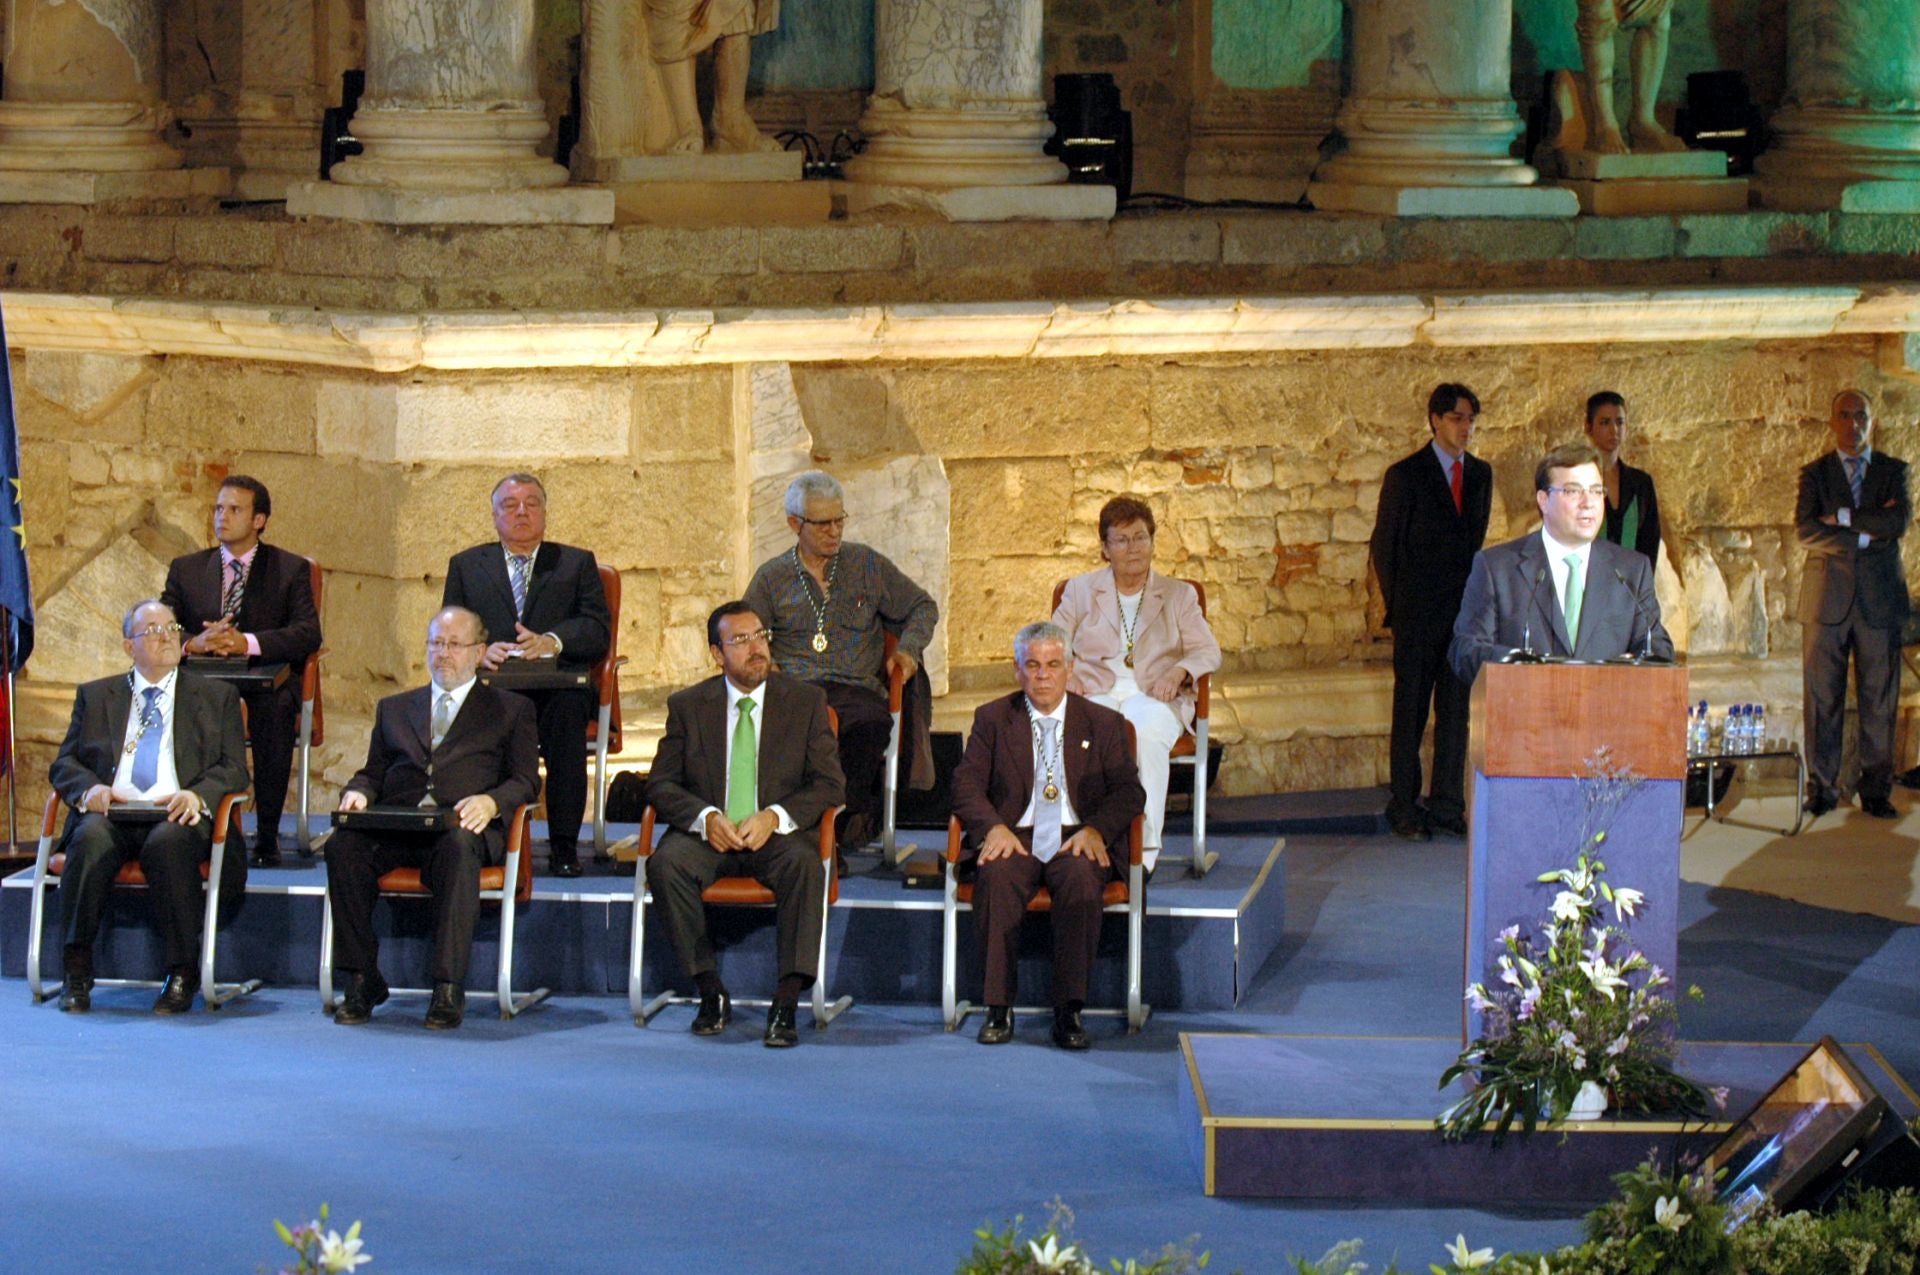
(455, 743)
(244, 597)
(539, 599)
(1560, 592)
(1047, 784)
(154, 734)
(742, 778)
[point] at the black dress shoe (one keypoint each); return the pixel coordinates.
(364, 991)
(1908, 778)
(448, 1006)
(176, 994)
(716, 1012)
(1067, 1031)
(1879, 807)
(1452, 825)
(1410, 827)
(998, 1029)
(781, 1032)
(76, 993)
(1818, 804)
(563, 861)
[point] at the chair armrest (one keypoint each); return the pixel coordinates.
(519, 840)
(1136, 834)
(223, 813)
(1203, 691)
(827, 841)
(955, 836)
(52, 815)
(646, 832)
(896, 680)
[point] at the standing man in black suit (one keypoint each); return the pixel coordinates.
(746, 771)
(540, 599)
(153, 734)
(244, 597)
(1432, 519)
(1047, 784)
(455, 743)
(1560, 592)
(1852, 511)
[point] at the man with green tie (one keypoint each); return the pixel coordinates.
(745, 772)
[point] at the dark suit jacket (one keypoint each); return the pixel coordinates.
(209, 744)
(1509, 603)
(1839, 575)
(564, 597)
(799, 757)
(1636, 488)
(1422, 549)
(492, 748)
(994, 781)
(277, 609)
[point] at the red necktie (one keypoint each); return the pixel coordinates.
(1459, 506)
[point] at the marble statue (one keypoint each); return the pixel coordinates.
(1650, 21)
(638, 78)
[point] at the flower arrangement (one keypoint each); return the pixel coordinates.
(1006, 1250)
(1577, 1005)
(317, 1249)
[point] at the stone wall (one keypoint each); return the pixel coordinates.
(1263, 471)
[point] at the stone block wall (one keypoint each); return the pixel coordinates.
(984, 476)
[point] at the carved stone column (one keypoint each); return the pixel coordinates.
(957, 119)
(252, 80)
(83, 116)
(1429, 119)
(451, 122)
(1848, 133)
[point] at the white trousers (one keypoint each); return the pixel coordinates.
(1157, 728)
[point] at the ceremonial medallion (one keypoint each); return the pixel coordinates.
(820, 643)
(1051, 792)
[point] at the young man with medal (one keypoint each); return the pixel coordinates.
(829, 603)
(1047, 784)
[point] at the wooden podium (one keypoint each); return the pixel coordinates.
(1534, 728)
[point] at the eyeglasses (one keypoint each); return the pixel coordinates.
(739, 640)
(1138, 540)
(438, 646)
(1573, 491)
(835, 523)
(160, 630)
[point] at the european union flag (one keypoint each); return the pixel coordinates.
(16, 589)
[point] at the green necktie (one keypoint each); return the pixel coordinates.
(1576, 584)
(743, 774)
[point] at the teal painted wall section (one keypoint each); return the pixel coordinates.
(1707, 35)
(820, 44)
(1273, 44)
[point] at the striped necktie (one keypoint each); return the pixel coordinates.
(236, 589)
(520, 563)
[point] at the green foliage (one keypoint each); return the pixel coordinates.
(1007, 1250)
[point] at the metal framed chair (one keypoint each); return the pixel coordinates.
(1191, 750)
(734, 892)
(892, 853)
(47, 869)
(405, 883)
(1128, 897)
(312, 718)
(603, 731)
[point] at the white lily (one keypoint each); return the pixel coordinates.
(1465, 1259)
(1666, 1211)
(1477, 999)
(1627, 902)
(338, 1254)
(1053, 1257)
(1567, 906)
(1602, 976)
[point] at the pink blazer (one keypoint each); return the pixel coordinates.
(1171, 632)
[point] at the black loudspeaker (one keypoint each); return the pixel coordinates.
(1889, 1159)
(1719, 116)
(930, 808)
(1092, 136)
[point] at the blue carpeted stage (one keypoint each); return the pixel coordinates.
(568, 1140)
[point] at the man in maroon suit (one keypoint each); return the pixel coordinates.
(1047, 784)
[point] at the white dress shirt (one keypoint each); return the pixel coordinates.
(166, 780)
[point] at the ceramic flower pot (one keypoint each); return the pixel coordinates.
(1590, 1103)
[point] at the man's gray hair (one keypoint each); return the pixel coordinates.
(1041, 631)
(815, 484)
(126, 621)
(479, 625)
(524, 479)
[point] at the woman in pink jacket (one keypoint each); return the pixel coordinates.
(1139, 643)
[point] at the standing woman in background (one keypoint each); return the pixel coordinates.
(1633, 511)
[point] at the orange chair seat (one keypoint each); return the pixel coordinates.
(746, 892)
(407, 881)
(1185, 748)
(130, 872)
(1114, 894)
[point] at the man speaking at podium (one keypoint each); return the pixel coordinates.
(1559, 593)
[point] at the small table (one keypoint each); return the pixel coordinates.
(1705, 762)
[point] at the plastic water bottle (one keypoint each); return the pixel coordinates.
(1703, 726)
(1737, 739)
(1759, 728)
